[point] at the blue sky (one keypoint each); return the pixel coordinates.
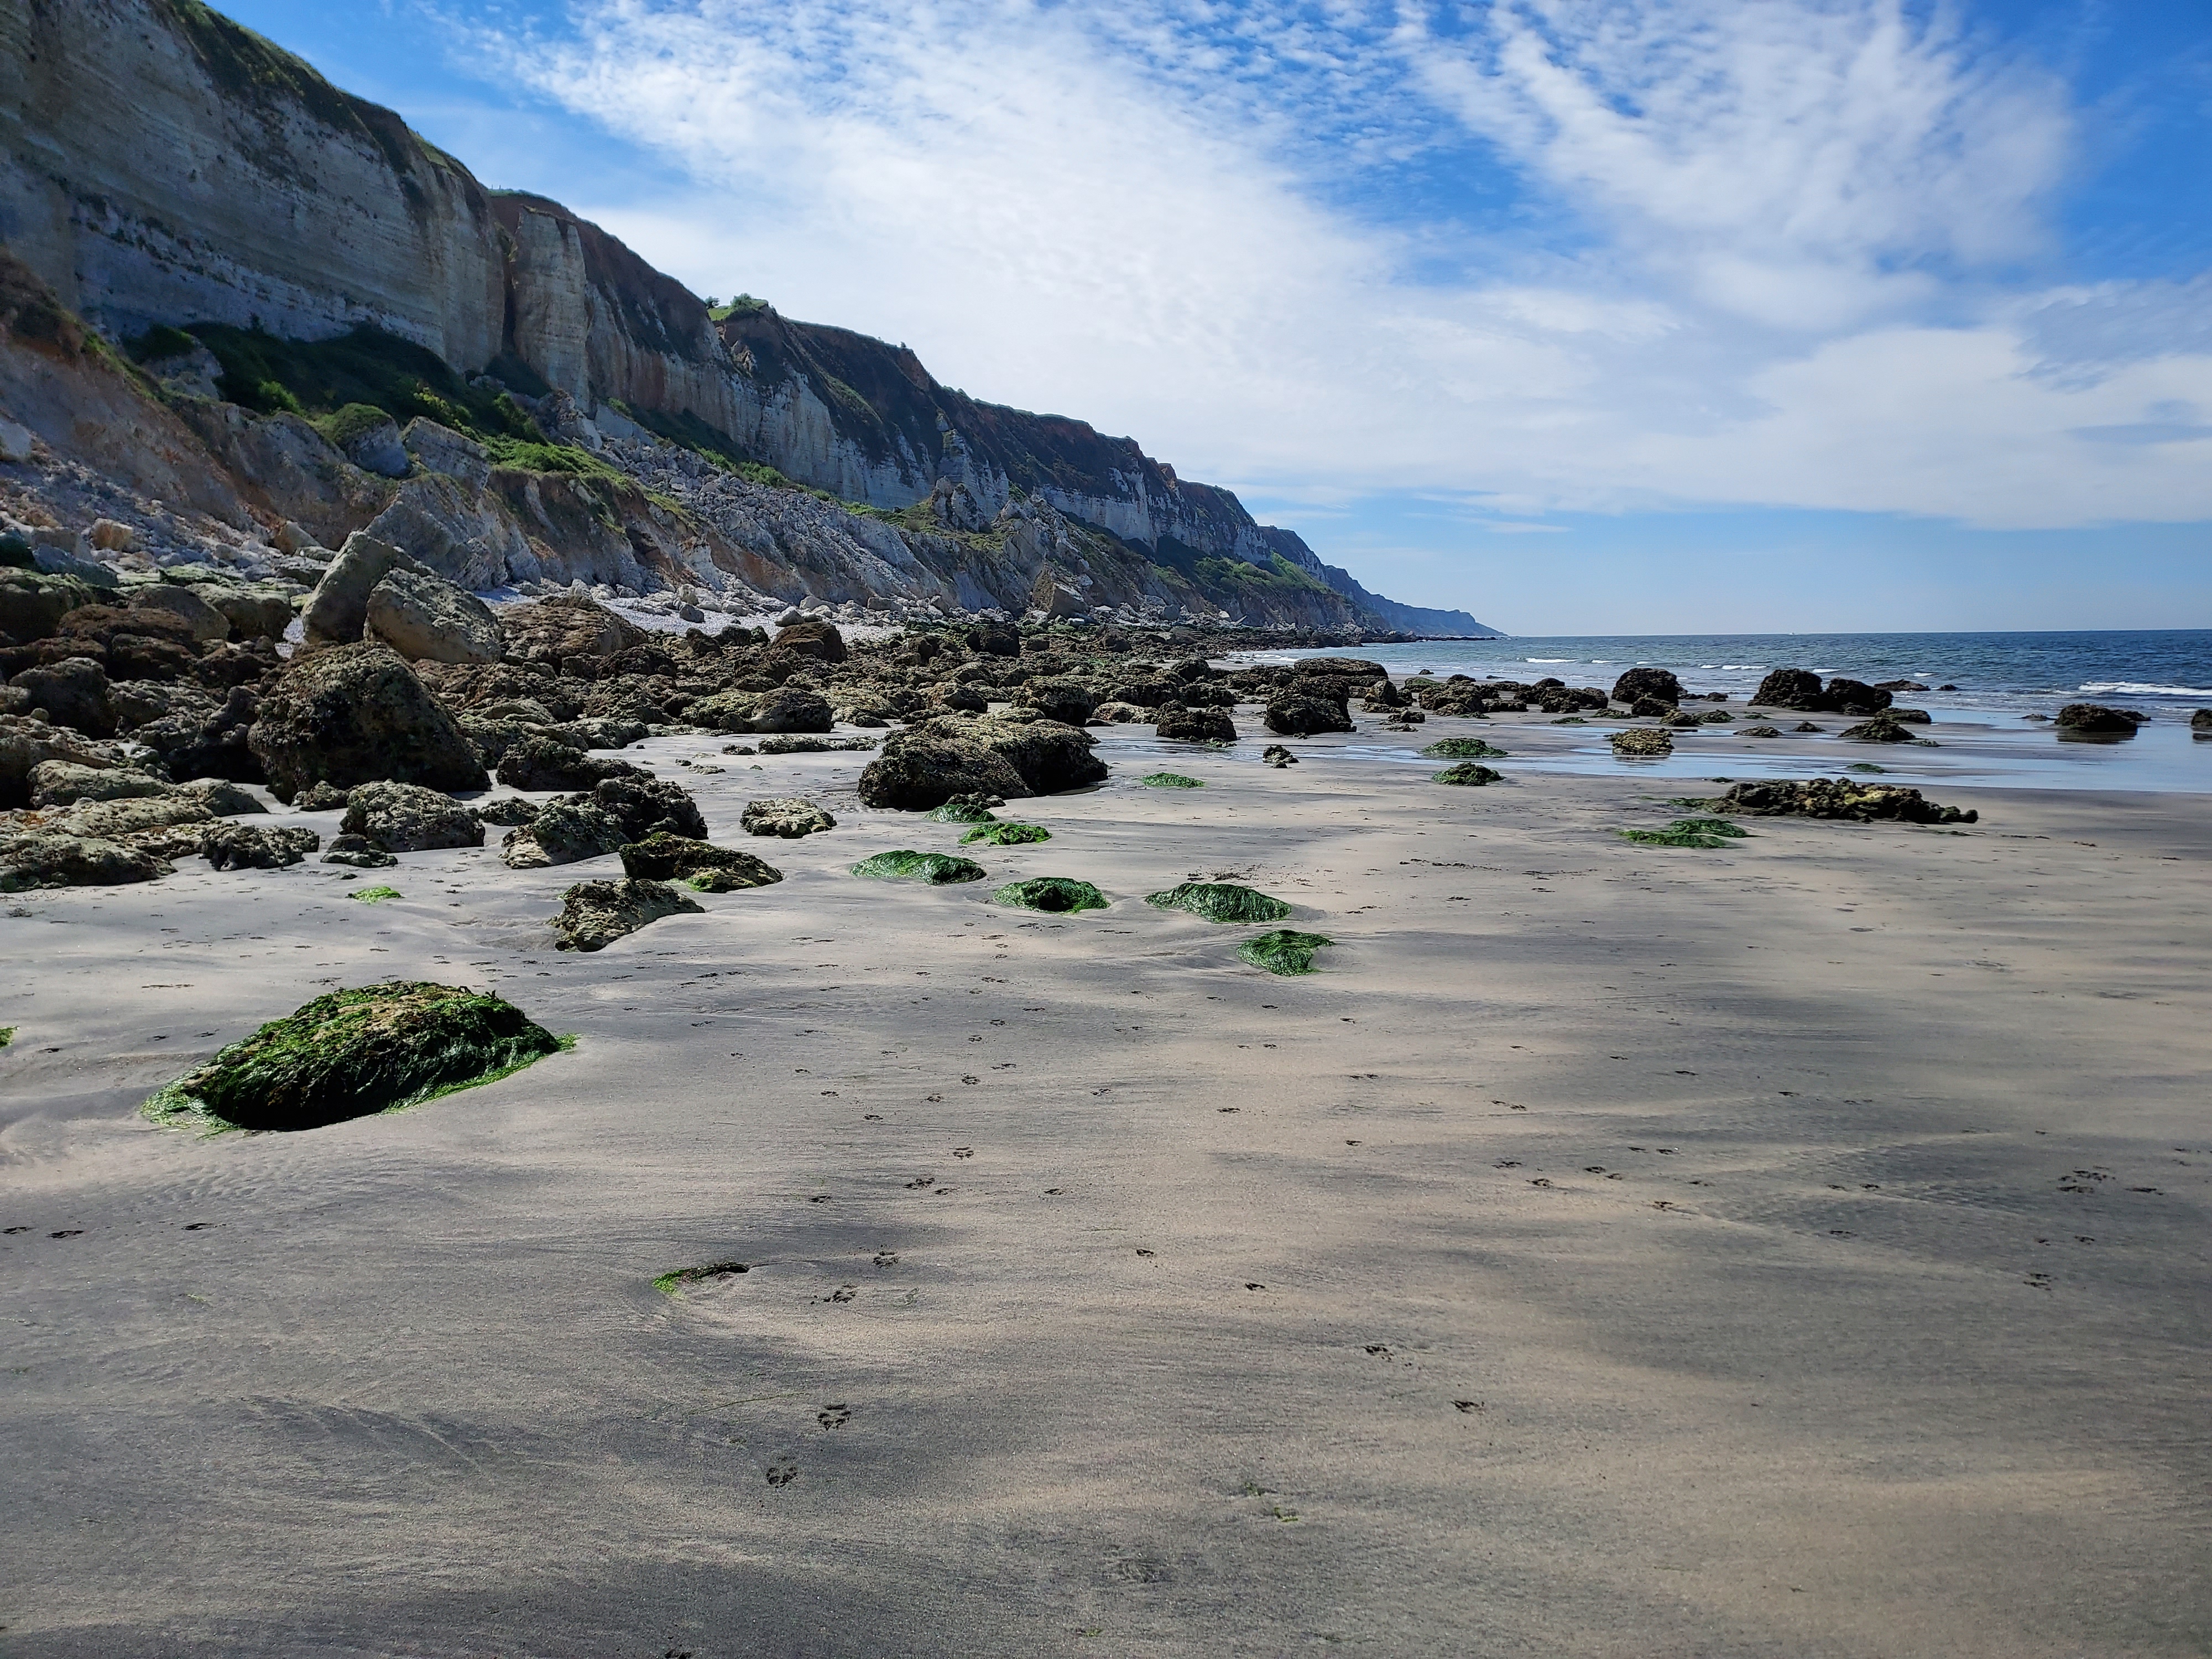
(1585, 315)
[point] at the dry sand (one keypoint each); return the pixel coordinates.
(1795, 1250)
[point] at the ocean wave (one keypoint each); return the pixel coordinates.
(2134, 688)
(1547, 659)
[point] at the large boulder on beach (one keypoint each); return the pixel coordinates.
(1657, 683)
(813, 638)
(27, 744)
(1643, 743)
(2099, 719)
(1848, 696)
(231, 845)
(198, 737)
(1180, 725)
(64, 783)
(1789, 688)
(1050, 756)
(1837, 797)
(1056, 698)
(73, 692)
(565, 831)
(355, 713)
(1298, 712)
(792, 708)
(33, 603)
(595, 914)
(337, 611)
(701, 865)
(553, 631)
(925, 765)
(537, 761)
(784, 816)
(406, 817)
(55, 858)
(1349, 668)
(423, 616)
(644, 804)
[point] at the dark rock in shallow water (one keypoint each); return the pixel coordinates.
(1789, 688)
(1221, 901)
(406, 817)
(2200, 723)
(1059, 895)
(1838, 797)
(706, 866)
(785, 816)
(1642, 743)
(231, 845)
(595, 914)
(1301, 714)
(938, 869)
(1657, 683)
(2099, 719)
(1195, 726)
(1761, 732)
(1855, 698)
(1284, 952)
(356, 714)
(1808, 725)
(355, 1052)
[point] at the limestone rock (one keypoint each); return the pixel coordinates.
(337, 611)
(73, 692)
(52, 859)
(355, 713)
(206, 623)
(537, 762)
(63, 783)
(642, 805)
(441, 449)
(254, 613)
(705, 866)
(234, 846)
(406, 817)
(223, 798)
(787, 817)
(595, 914)
(819, 640)
(1642, 743)
(358, 851)
(790, 708)
(421, 616)
(565, 832)
(554, 630)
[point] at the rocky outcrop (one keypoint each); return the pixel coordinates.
(426, 618)
(595, 914)
(355, 713)
(406, 817)
(1838, 797)
(2099, 719)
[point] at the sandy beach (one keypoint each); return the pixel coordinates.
(1795, 1249)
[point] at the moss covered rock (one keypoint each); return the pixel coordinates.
(788, 816)
(1283, 952)
(1058, 894)
(1469, 774)
(1688, 832)
(356, 1052)
(1006, 835)
(1170, 781)
(938, 869)
(1221, 901)
(1643, 743)
(1459, 749)
(966, 809)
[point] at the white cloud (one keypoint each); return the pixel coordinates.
(1782, 281)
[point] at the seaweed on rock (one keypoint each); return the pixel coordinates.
(1468, 773)
(1170, 781)
(1463, 749)
(1221, 901)
(1061, 895)
(1006, 835)
(1284, 952)
(1687, 832)
(938, 869)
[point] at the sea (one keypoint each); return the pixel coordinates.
(1982, 690)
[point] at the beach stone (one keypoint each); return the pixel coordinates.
(1351, 668)
(564, 627)
(1789, 688)
(1657, 683)
(355, 1052)
(1761, 732)
(1462, 748)
(1068, 701)
(406, 817)
(995, 640)
(1055, 895)
(816, 639)
(337, 611)
(320, 798)
(1221, 901)
(33, 603)
(1837, 797)
(784, 816)
(1285, 951)
(423, 616)
(929, 764)
(1808, 725)
(358, 851)
(1006, 835)
(356, 714)
(207, 623)
(541, 762)
(565, 831)
(199, 739)
(2200, 723)
(223, 798)
(72, 692)
(231, 845)
(1195, 726)
(507, 811)
(1301, 714)
(1682, 720)
(792, 709)
(938, 869)
(1880, 729)
(966, 809)
(1277, 757)
(1642, 743)
(53, 859)
(807, 744)
(1855, 698)
(1467, 774)
(595, 914)
(1122, 713)
(643, 804)
(2099, 718)
(707, 867)
(125, 820)
(63, 783)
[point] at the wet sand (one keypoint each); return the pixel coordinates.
(1792, 1249)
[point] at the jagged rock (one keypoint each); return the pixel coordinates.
(995, 640)
(370, 439)
(1837, 797)
(1049, 757)
(207, 623)
(41, 858)
(1681, 719)
(234, 846)
(199, 738)
(2089, 718)
(646, 803)
(537, 762)
(441, 449)
(928, 764)
(1761, 732)
(337, 611)
(1656, 682)
(1855, 696)
(705, 866)
(787, 817)
(406, 817)
(554, 631)
(223, 798)
(73, 692)
(563, 832)
(355, 1052)
(63, 783)
(1642, 743)
(1277, 757)
(358, 851)
(422, 615)
(254, 613)
(1196, 726)
(355, 713)
(961, 699)
(1296, 713)
(508, 812)
(1069, 702)
(819, 640)
(1124, 714)
(32, 604)
(595, 914)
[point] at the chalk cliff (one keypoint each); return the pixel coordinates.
(163, 169)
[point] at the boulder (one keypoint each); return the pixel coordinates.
(234, 846)
(537, 762)
(25, 742)
(358, 851)
(1656, 682)
(646, 803)
(199, 738)
(1837, 797)
(1292, 713)
(207, 623)
(790, 709)
(1855, 696)
(2200, 723)
(337, 611)
(995, 640)
(1790, 687)
(73, 692)
(564, 832)
(567, 625)
(1643, 743)
(355, 713)
(369, 438)
(1880, 729)
(508, 812)
(1069, 702)
(1049, 757)
(424, 616)
(441, 449)
(254, 613)
(1124, 714)
(1469, 774)
(703, 866)
(1195, 726)
(64, 783)
(788, 817)
(595, 914)
(2091, 719)
(1277, 757)
(223, 798)
(1351, 668)
(43, 858)
(927, 764)
(819, 639)
(406, 817)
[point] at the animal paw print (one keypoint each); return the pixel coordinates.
(963, 1151)
(842, 1293)
(783, 1474)
(833, 1417)
(921, 1182)
(887, 1258)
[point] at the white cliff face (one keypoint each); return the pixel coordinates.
(156, 168)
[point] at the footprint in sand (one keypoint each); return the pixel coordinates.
(917, 1185)
(887, 1258)
(833, 1417)
(782, 1474)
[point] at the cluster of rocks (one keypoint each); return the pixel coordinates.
(1837, 797)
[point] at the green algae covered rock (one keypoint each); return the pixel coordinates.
(1462, 748)
(1221, 901)
(375, 895)
(1170, 781)
(1058, 894)
(938, 869)
(1006, 835)
(354, 1053)
(1284, 952)
(965, 809)
(1468, 772)
(1687, 832)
